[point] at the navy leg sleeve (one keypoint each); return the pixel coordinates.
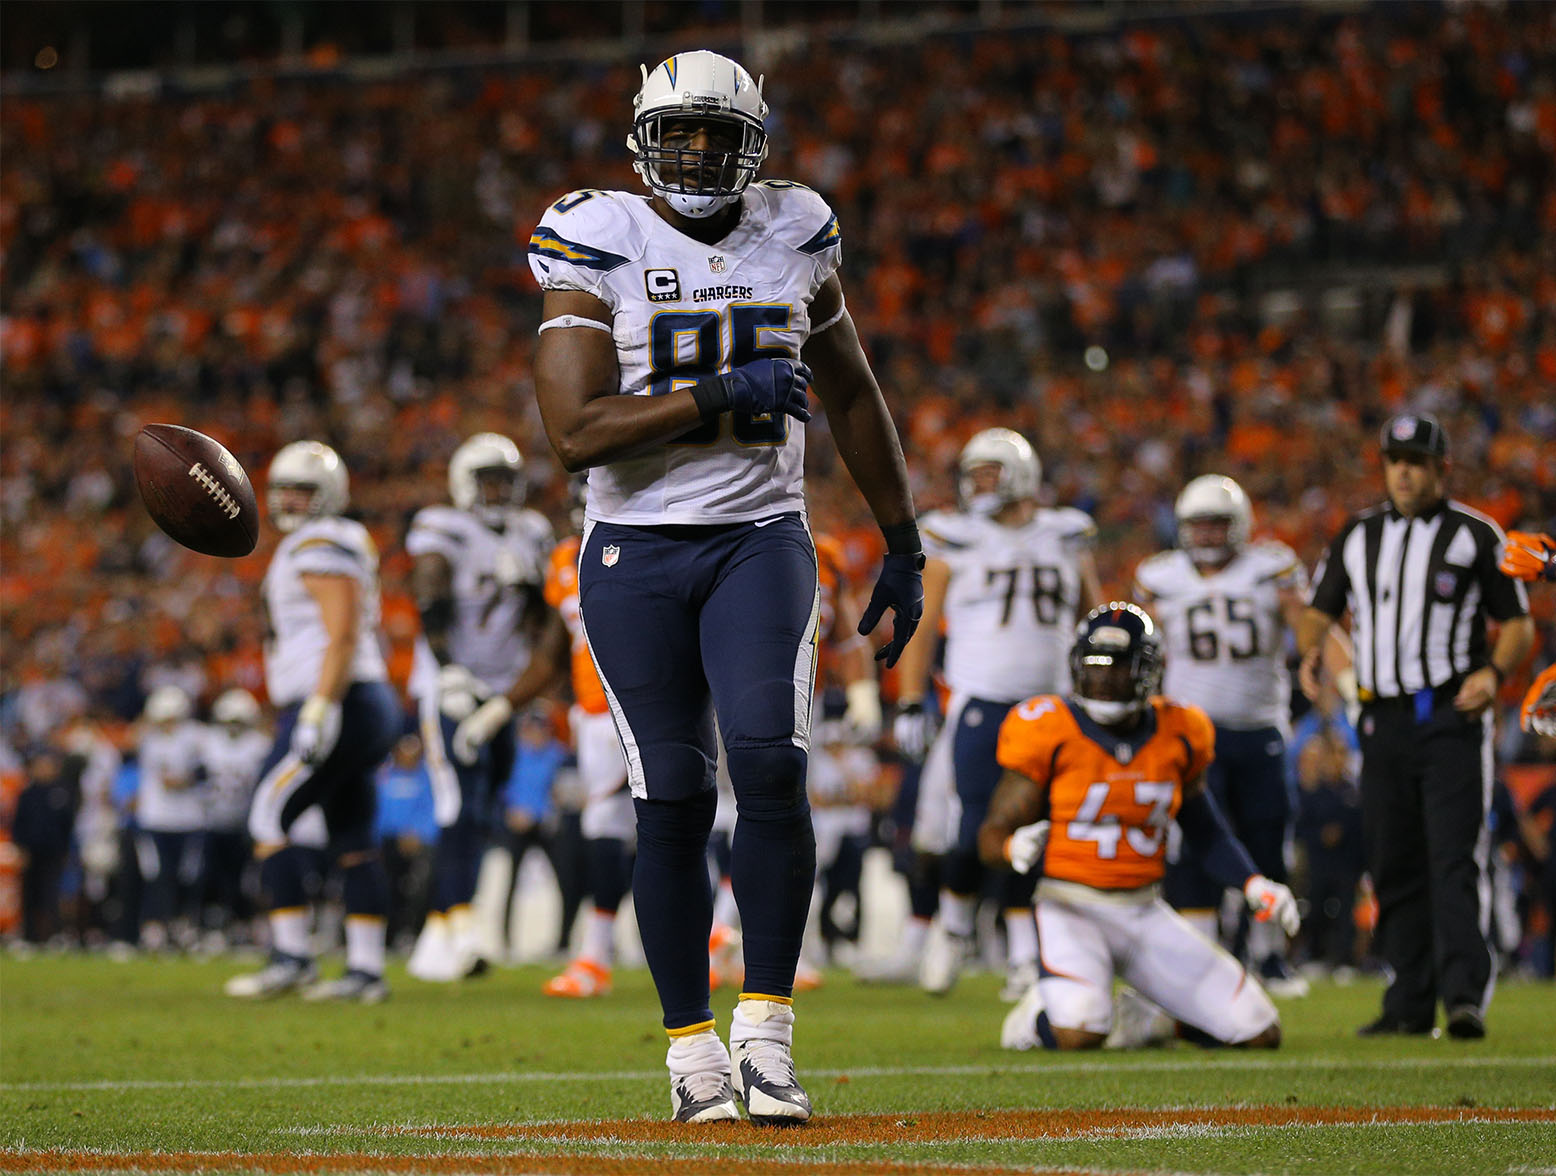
(673, 897)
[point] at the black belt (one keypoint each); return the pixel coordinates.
(1441, 696)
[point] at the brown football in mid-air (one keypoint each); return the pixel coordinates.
(196, 491)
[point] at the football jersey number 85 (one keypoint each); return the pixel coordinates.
(747, 321)
(1091, 824)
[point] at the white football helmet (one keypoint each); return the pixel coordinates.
(236, 706)
(1213, 498)
(483, 453)
(167, 704)
(311, 466)
(713, 90)
(1020, 470)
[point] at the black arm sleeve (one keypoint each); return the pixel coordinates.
(1220, 854)
(1331, 584)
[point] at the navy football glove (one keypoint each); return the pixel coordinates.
(763, 387)
(899, 587)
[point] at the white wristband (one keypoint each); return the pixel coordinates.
(575, 320)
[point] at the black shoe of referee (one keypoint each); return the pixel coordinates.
(1390, 1026)
(1466, 1023)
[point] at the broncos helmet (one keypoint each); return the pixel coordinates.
(715, 92)
(311, 466)
(1208, 502)
(1020, 470)
(1115, 663)
(487, 460)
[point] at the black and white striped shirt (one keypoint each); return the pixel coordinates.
(1419, 591)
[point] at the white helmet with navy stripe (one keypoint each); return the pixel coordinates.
(306, 465)
(710, 90)
(1020, 471)
(487, 457)
(1214, 518)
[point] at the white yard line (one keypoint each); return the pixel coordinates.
(1144, 1066)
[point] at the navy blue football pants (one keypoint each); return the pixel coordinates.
(686, 622)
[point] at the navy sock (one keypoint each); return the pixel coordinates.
(609, 872)
(924, 886)
(1045, 1031)
(961, 872)
(674, 901)
(281, 882)
(365, 886)
(774, 862)
(456, 864)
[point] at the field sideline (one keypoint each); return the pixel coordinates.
(144, 1066)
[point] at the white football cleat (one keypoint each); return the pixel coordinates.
(945, 956)
(700, 1090)
(1019, 1029)
(361, 987)
(761, 1039)
(1018, 978)
(282, 974)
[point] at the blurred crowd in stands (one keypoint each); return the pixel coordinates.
(1232, 244)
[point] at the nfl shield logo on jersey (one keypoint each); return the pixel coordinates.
(610, 555)
(716, 263)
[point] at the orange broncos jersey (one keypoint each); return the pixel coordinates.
(1109, 815)
(562, 595)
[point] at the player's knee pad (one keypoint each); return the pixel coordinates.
(282, 883)
(675, 826)
(769, 782)
(365, 886)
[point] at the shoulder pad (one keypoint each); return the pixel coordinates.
(581, 238)
(536, 526)
(800, 217)
(1073, 522)
(1153, 566)
(947, 531)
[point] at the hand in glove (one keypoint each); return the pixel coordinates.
(899, 587)
(1025, 846)
(1270, 900)
(476, 731)
(316, 730)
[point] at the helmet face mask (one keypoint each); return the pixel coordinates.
(1115, 664)
(306, 480)
(1214, 519)
(697, 133)
(486, 478)
(1009, 453)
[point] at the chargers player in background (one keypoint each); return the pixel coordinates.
(489, 644)
(170, 814)
(233, 753)
(1531, 557)
(608, 824)
(670, 366)
(1091, 785)
(337, 720)
(1225, 607)
(1011, 578)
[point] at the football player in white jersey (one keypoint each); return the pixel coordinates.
(170, 815)
(680, 331)
(233, 754)
(1225, 606)
(337, 719)
(489, 644)
(1010, 578)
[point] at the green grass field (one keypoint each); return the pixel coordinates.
(145, 1066)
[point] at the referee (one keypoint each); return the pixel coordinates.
(1419, 575)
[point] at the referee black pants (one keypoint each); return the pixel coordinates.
(1426, 790)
